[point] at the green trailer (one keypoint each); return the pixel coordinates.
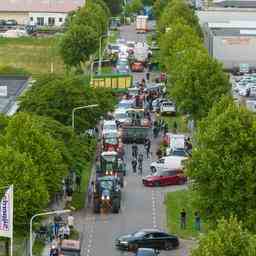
(135, 134)
(117, 82)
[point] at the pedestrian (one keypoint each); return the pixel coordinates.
(147, 146)
(148, 76)
(57, 221)
(166, 128)
(159, 153)
(134, 165)
(140, 160)
(197, 221)
(66, 232)
(183, 219)
(70, 221)
(54, 251)
(175, 126)
(69, 193)
(78, 183)
(90, 193)
(188, 144)
(61, 232)
(134, 150)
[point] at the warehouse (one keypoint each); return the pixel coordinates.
(232, 43)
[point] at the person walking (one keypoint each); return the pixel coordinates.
(197, 221)
(134, 165)
(134, 150)
(78, 183)
(90, 193)
(148, 76)
(147, 146)
(140, 160)
(70, 221)
(183, 216)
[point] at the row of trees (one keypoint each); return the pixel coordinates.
(222, 166)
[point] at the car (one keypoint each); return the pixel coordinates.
(121, 116)
(122, 68)
(167, 163)
(109, 126)
(122, 55)
(113, 49)
(137, 67)
(175, 141)
(146, 252)
(147, 238)
(168, 107)
(126, 104)
(11, 23)
(179, 152)
(130, 45)
(163, 178)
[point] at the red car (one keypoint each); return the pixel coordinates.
(163, 178)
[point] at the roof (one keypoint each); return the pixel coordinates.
(236, 3)
(11, 87)
(61, 6)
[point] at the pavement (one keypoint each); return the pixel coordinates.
(141, 207)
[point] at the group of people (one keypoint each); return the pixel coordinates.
(183, 220)
(137, 157)
(160, 126)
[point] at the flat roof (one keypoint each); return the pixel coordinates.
(233, 24)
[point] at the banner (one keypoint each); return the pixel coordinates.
(6, 213)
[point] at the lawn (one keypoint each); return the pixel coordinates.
(32, 54)
(175, 202)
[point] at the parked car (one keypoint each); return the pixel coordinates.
(11, 23)
(167, 163)
(147, 238)
(179, 152)
(174, 141)
(146, 252)
(163, 178)
(168, 107)
(2, 23)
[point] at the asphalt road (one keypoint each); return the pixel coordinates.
(141, 207)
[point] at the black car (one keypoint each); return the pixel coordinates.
(147, 238)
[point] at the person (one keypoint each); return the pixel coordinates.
(197, 221)
(57, 221)
(69, 193)
(134, 165)
(66, 232)
(188, 144)
(147, 146)
(90, 193)
(70, 221)
(183, 219)
(166, 128)
(61, 233)
(134, 150)
(78, 183)
(159, 153)
(147, 76)
(53, 251)
(175, 126)
(140, 160)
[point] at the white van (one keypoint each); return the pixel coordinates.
(167, 163)
(175, 141)
(168, 107)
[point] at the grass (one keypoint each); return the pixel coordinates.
(113, 36)
(38, 247)
(175, 202)
(32, 54)
(78, 198)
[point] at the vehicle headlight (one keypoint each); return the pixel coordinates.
(108, 197)
(123, 242)
(102, 197)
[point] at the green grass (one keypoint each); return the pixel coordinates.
(175, 202)
(38, 247)
(32, 54)
(106, 70)
(113, 36)
(78, 198)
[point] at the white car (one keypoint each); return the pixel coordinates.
(175, 141)
(168, 107)
(251, 105)
(167, 163)
(121, 116)
(109, 126)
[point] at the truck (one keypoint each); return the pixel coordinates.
(141, 24)
(107, 194)
(139, 59)
(70, 247)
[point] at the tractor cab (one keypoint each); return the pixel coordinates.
(138, 117)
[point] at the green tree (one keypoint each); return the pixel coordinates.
(30, 192)
(115, 6)
(223, 164)
(197, 82)
(24, 136)
(77, 44)
(228, 239)
(134, 6)
(159, 6)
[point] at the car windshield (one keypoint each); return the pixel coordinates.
(111, 141)
(106, 184)
(114, 47)
(120, 115)
(179, 153)
(139, 234)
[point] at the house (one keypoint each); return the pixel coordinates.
(11, 87)
(38, 12)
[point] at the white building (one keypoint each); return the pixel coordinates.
(39, 12)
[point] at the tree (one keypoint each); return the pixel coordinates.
(115, 6)
(159, 6)
(23, 135)
(197, 82)
(223, 163)
(56, 96)
(77, 44)
(229, 239)
(30, 192)
(134, 6)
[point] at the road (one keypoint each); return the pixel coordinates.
(141, 207)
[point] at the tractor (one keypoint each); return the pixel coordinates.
(107, 194)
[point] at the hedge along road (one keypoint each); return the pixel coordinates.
(141, 207)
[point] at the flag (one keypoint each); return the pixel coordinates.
(6, 213)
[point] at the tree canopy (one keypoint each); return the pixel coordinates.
(115, 6)
(223, 163)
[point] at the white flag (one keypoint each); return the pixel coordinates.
(6, 213)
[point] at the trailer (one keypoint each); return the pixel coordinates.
(141, 24)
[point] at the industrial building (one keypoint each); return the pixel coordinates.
(232, 43)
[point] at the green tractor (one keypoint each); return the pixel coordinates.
(111, 165)
(107, 194)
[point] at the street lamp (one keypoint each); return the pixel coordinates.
(77, 108)
(31, 222)
(100, 54)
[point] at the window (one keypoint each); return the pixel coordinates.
(40, 21)
(158, 235)
(31, 19)
(51, 21)
(60, 19)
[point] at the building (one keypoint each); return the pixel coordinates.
(11, 87)
(235, 3)
(232, 43)
(38, 12)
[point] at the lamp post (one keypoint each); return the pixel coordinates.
(31, 222)
(100, 51)
(77, 108)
